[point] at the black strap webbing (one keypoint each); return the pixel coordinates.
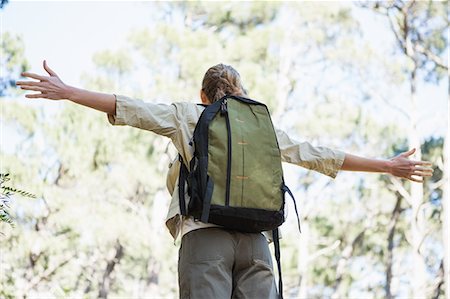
(286, 189)
(207, 200)
(276, 244)
(181, 183)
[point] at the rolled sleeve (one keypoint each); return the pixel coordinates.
(321, 159)
(159, 118)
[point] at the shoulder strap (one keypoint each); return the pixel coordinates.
(181, 183)
(286, 189)
(276, 244)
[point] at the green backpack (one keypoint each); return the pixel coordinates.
(235, 178)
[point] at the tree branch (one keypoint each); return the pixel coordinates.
(439, 281)
(389, 103)
(400, 41)
(46, 274)
(392, 225)
(106, 281)
(398, 186)
(424, 236)
(430, 55)
(347, 253)
(434, 186)
(325, 250)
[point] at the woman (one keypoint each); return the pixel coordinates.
(214, 262)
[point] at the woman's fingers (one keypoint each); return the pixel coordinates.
(34, 88)
(36, 96)
(426, 169)
(423, 173)
(414, 179)
(30, 83)
(24, 82)
(34, 76)
(50, 87)
(420, 172)
(408, 153)
(424, 163)
(412, 170)
(49, 70)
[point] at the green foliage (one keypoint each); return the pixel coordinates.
(117, 62)
(12, 60)
(5, 196)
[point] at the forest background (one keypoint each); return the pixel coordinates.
(369, 78)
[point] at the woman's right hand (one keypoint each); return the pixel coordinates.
(50, 87)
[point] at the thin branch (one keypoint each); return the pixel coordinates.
(439, 281)
(325, 251)
(47, 273)
(430, 55)
(389, 103)
(425, 235)
(437, 184)
(440, 162)
(398, 186)
(391, 228)
(400, 41)
(408, 239)
(106, 281)
(347, 253)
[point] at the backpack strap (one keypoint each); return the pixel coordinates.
(207, 200)
(181, 184)
(206, 184)
(276, 244)
(286, 189)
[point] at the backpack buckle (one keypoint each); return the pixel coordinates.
(223, 107)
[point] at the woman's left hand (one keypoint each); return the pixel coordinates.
(50, 87)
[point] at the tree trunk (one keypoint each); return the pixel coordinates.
(390, 255)
(417, 222)
(303, 261)
(342, 264)
(446, 212)
(105, 285)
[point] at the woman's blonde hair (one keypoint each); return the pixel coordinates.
(221, 80)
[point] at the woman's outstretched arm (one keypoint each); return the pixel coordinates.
(399, 166)
(52, 87)
(329, 162)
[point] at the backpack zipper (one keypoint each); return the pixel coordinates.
(224, 111)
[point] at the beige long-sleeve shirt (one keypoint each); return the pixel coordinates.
(177, 121)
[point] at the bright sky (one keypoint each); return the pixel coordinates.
(67, 34)
(57, 31)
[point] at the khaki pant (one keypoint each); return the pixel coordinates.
(215, 263)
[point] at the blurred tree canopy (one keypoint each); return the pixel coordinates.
(3, 3)
(12, 60)
(97, 229)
